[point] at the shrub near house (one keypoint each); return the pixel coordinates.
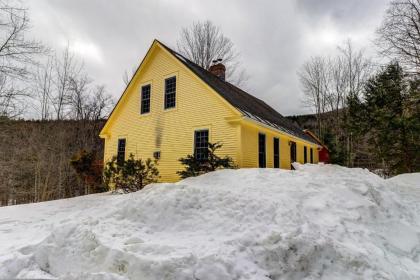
(206, 162)
(130, 175)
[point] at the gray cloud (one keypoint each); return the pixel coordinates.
(273, 37)
(343, 11)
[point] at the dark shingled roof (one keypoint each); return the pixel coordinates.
(249, 105)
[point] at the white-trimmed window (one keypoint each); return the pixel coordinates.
(121, 151)
(170, 92)
(146, 91)
(201, 144)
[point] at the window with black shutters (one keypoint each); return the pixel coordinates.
(261, 151)
(121, 151)
(312, 155)
(170, 92)
(201, 144)
(305, 154)
(145, 99)
(276, 150)
(293, 155)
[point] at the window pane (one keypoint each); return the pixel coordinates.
(201, 143)
(145, 99)
(261, 150)
(305, 154)
(170, 92)
(121, 151)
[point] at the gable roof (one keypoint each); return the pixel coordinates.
(247, 104)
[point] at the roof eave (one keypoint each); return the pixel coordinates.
(247, 119)
(311, 134)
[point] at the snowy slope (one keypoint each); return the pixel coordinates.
(319, 222)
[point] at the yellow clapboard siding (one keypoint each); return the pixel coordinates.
(172, 131)
(249, 139)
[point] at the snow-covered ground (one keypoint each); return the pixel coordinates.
(319, 222)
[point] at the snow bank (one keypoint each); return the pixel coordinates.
(410, 179)
(320, 221)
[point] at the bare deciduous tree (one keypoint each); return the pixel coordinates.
(62, 86)
(78, 95)
(357, 69)
(43, 88)
(11, 98)
(66, 68)
(327, 82)
(127, 77)
(87, 103)
(399, 34)
(203, 42)
(338, 84)
(98, 105)
(314, 79)
(17, 55)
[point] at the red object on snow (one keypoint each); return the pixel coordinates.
(323, 152)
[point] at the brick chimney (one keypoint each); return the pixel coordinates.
(218, 70)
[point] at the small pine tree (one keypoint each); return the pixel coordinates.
(337, 153)
(111, 172)
(195, 167)
(130, 175)
(192, 167)
(215, 162)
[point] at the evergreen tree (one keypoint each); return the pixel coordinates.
(192, 167)
(337, 151)
(412, 123)
(195, 167)
(387, 120)
(130, 175)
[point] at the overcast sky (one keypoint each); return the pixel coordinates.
(274, 38)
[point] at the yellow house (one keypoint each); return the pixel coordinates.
(172, 107)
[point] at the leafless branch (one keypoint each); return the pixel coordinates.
(399, 34)
(17, 55)
(203, 42)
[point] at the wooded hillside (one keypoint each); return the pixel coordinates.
(362, 156)
(35, 158)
